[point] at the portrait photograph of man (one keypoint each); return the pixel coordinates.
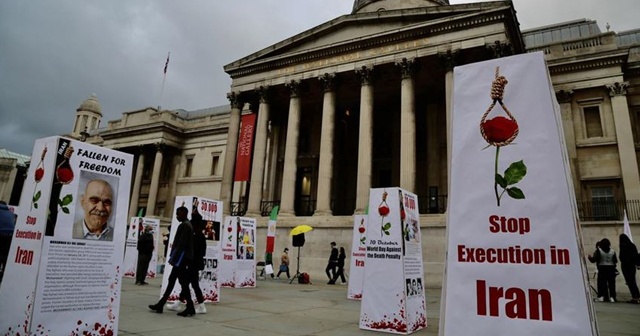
(97, 199)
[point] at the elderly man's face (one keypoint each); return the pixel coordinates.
(97, 203)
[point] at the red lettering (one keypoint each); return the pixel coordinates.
(516, 301)
(24, 257)
(31, 220)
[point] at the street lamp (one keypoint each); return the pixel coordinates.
(84, 135)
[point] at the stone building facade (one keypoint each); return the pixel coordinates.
(364, 101)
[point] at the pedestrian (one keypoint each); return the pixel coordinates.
(606, 259)
(340, 269)
(284, 263)
(7, 225)
(332, 263)
(628, 263)
(145, 252)
(181, 254)
(197, 263)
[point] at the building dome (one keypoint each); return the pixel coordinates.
(91, 105)
(395, 4)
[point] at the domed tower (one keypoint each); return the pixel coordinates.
(362, 6)
(88, 116)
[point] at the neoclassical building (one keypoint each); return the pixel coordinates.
(364, 101)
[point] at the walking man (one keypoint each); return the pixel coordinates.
(332, 264)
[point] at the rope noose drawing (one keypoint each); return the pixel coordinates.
(497, 96)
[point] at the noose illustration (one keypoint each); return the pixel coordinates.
(499, 132)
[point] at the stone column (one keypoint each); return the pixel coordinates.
(135, 193)
(325, 169)
(407, 126)
(450, 61)
(226, 187)
(365, 138)
(624, 136)
(291, 152)
(564, 98)
(259, 154)
(155, 180)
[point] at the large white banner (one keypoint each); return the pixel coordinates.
(229, 243)
(63, 275)
(211, 212)
(393, 294)
(136, 226)
(513, 262)
(245, 276)
(358, 257)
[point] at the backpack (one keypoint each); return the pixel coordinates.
(304, 278)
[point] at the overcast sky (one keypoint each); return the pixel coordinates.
(55, 54)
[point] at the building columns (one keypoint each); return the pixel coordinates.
(135, 193)
(155, 181)
(230, 152)
(564, 98)
(407, 126)
(291, 152)
(259, 154)
(365, 139)
(624, 135)
(325, 164)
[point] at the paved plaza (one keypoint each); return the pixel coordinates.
(276, 307)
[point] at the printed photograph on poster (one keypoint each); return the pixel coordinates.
(212, 230)
(93, 218)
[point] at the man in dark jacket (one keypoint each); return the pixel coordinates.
(145, 252)
(181, 256)
(332, 264)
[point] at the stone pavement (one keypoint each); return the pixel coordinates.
(276, 307)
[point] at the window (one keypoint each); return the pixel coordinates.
(188, 166)
(603, 203)
(214, 164)
(593, 123)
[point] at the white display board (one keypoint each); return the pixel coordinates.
(393, 298)
(63, 275)
(211, 211)
(245, 275)
(514, 264)
(358, 257)
(229, 244)
(136, 226)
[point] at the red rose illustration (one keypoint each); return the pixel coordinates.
(500, 131)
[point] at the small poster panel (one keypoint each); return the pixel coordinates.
(65, 262)
(514, 264)
(358, 256)
(229, 245)
(136, 226)
(393, 298)
(245, 276)
(211, 211)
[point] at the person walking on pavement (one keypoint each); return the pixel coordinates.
(628, 263)
(332, 264)
(284, 263)
(145, 252)
(181, 254)
(340, 272)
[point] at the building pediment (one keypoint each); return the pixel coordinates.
(371, 29)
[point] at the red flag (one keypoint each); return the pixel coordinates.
(166, 64)
(245, 147)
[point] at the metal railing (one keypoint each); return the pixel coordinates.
(608, 210)
(267, 206)
(238, 208)
(432, 205)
